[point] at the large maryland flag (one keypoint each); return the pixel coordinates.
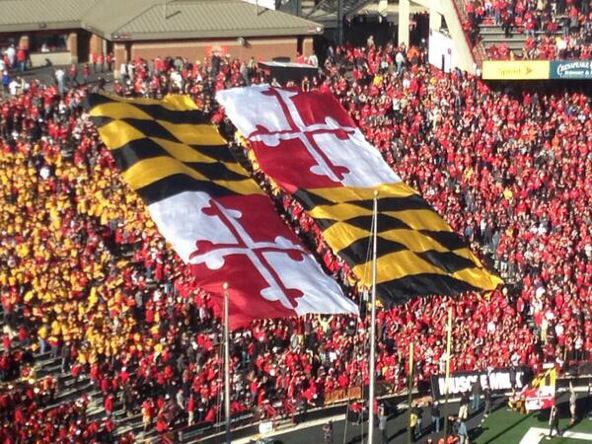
(540, 393)
(309, 145)
(216, 217)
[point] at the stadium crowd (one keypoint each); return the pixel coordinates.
(555, 29)
(87, 279)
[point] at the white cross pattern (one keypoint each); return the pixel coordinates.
(212, 255)
(272, 261)
(269, 115)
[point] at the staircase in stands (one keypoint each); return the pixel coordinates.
(494, 35)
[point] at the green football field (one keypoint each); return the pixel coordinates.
(509, 427)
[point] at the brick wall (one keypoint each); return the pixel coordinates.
(194, 50)
(73, 46)
(261, 49)
(121, 55)
(96, 45)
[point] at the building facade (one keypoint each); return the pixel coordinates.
(72, 31)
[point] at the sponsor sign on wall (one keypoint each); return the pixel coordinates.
(496, 380)
(537, 69)
(516, 70)
(576, 69)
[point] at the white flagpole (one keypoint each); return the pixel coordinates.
(447, 380)
(373, 324)
(226, 365)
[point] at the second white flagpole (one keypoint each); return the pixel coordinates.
(372, 372)
(226, 364)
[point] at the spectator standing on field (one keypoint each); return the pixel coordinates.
(328, 433)
(435, 413)
(476, 396)
(572, 404)
(419, 428)
(487, 395)
(462, 432)
(463, 410)
(413, 424)
(382, 424)
(554, 422)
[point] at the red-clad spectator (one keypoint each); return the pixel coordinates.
(555, 29)
(21, 59)
(509, 172)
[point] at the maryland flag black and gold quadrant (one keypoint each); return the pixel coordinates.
(311, 148)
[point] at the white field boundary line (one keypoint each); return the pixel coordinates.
(304, 425)
(536, 434)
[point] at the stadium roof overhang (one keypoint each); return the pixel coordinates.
(140, 20)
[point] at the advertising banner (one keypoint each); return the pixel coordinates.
(498, 380)
(572, 70)
(516, 70)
